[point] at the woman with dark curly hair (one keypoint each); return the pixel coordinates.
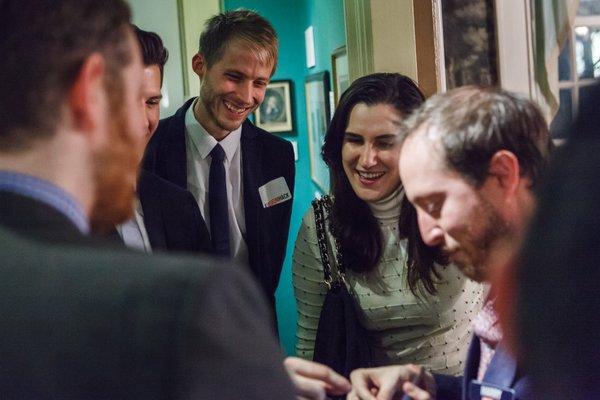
(415, 307)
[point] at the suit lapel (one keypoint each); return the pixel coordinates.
(174, 152)
(502, 369)
(471, 366)
(153, 215)
(252, 176)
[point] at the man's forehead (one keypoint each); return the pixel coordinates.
(423, 167)
(423, 147)
(430, 133)
(232, 49)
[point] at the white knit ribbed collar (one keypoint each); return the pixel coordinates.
(387, 210)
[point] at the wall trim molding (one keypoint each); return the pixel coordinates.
(359, 38)
(515, 47)
(428, 47)
(184, 55)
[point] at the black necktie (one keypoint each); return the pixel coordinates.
(217, 203)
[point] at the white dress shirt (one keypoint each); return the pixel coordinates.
(199, 144)
(133, 232)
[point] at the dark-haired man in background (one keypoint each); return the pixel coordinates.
(241, 176)
(469, 163)
(166, 216)
(85, 323)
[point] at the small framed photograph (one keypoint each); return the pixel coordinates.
(341, 76)
(275, 112)
(317, 115)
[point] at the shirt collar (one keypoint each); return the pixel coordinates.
(204, 142)
(137, 206)
(47, 193)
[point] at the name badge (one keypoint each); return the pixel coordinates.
(479, 390)
(274, 192)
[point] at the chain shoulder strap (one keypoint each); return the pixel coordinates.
(320, 206)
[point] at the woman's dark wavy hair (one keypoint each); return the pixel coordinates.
(351, 220)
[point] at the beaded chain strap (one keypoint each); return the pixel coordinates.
(320, 206)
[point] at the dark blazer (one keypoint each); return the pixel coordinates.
(79, 322)
(264, 157)
(171, 216)
(502, 371)
(35, 220)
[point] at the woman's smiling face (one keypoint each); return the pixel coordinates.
(369, 150)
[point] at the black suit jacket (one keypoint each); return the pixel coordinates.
(79, 322)
(171, 216)
(35, 220)
(264, 157)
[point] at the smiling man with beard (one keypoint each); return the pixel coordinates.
(241, 176)
(469, 162)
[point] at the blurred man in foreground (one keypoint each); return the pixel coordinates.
(82, 322)
(469, 163)
(555, 284)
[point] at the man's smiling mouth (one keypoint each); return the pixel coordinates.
(233, 108)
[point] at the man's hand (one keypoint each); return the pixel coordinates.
(387, 383)
(314, 381)
(415, 392)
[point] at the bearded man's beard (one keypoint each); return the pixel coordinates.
(478, 268)
(116, 169)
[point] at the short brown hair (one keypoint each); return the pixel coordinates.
(477, 122)
(240, 24)
(44, 43)
(153, 49)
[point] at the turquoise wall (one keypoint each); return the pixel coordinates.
(290, 18)
(327, 19)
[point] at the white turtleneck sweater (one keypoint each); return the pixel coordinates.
(433, 331)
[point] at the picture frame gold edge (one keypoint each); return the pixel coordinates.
(280, 128)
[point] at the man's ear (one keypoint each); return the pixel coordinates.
(504, 167)
(199, 65)
(86, 94)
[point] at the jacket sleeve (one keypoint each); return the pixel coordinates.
(202, 243)
(228, 350)
(448, 387)
(309, 289)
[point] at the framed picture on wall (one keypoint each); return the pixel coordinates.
(316, 87)
(275, 112)
(341, 76)
(457, 43)
(469, 42)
